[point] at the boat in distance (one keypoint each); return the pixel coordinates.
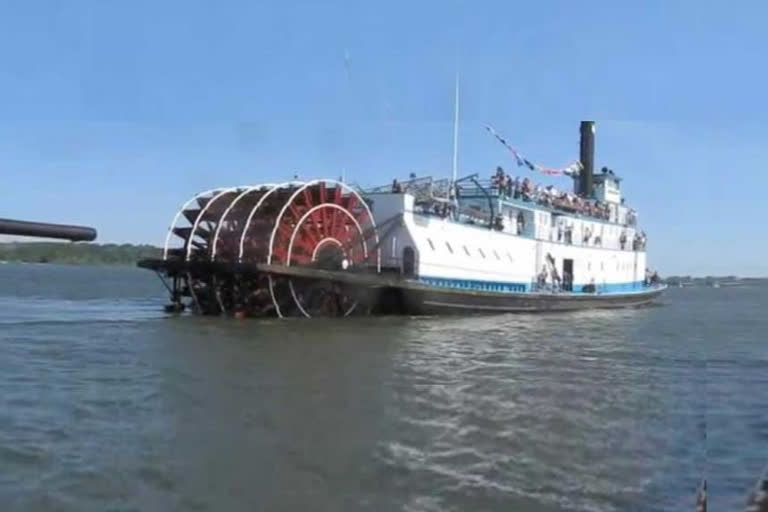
(421, 246)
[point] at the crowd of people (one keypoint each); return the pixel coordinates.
(527, 190)
(565, 232)
(550, 279)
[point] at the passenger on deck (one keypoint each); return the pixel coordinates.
(556, 281)
(520, 223)
(527, 190)
(631, 216)
(638, 243)
(498, 179)
(576, 202)
(551, 195)
(542, 277)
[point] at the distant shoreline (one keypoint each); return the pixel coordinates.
(129, 254)
(711, 280)
(69, 263)
(76, 253)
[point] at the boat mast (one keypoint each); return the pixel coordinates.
(456, 133)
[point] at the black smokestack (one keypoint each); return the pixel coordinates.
(587, 157)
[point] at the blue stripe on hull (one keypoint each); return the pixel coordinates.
(616, 287)
(468, 284)
(512, 287)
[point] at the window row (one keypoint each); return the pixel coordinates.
(469, 253)
(619, 266)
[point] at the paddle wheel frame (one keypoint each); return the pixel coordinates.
(218, 239)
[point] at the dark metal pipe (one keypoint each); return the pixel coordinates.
(587, 157)
(43, 230)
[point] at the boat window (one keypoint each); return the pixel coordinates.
(450, 249)
(481, 252)
(466, 250)
(431, 244)
(496, 254)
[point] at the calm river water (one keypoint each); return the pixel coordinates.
(106, 404)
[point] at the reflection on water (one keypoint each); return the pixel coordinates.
(106, 403)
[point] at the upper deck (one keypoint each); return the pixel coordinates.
(520, 207)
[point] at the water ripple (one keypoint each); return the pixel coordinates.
(107, 405)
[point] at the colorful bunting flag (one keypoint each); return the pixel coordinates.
(571, 170)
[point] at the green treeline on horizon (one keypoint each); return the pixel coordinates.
(77, 253)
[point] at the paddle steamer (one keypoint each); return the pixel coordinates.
(421, 246)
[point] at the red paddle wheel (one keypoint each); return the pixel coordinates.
(218, 238)
(325, 225)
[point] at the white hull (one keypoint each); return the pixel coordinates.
(450, 254)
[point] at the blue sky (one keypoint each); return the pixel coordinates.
(113, 113)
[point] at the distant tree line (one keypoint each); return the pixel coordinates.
(76, 253)
(709, 280)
